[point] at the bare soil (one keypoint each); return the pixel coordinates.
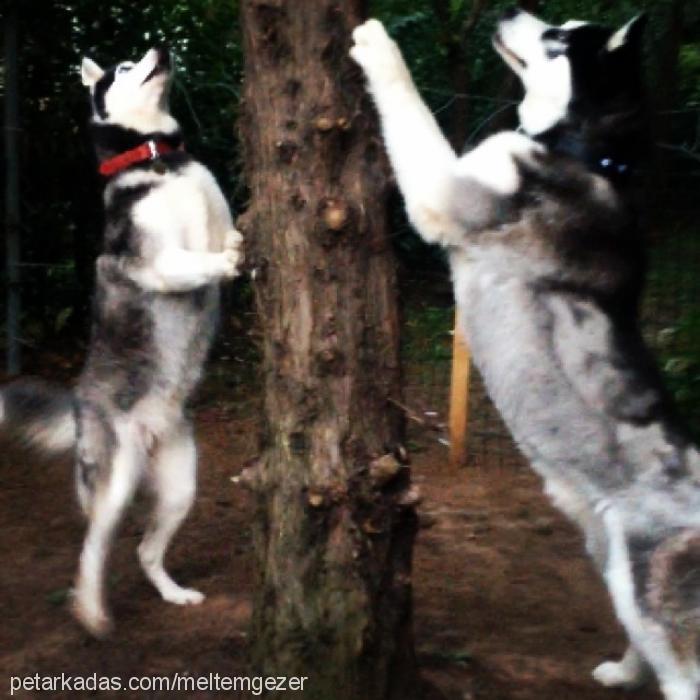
(506, 604)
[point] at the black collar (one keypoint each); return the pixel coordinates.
(566, 141)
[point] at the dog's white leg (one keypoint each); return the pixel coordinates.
(174, 479)
(421, 157)
(446, 197)
(630, 672)
(113, 492)
(678, 677)
(683, 690)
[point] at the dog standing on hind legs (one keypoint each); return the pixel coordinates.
(169, 241)
(548, 264)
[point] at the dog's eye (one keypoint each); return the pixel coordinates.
(555, 41)
(124, 68)
(555, 34)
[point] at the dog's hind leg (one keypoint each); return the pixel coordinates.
(678, 676)
(113, 488)
(629, 673)
(174, 473)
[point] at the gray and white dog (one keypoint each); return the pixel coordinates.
(168, 242)
(548, 263)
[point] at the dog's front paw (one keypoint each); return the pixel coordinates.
(232, 255)
(233, 239)
(378, 55)
(229, 262)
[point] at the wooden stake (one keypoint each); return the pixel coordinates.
(459, 397)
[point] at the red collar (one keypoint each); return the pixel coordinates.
(151, 150)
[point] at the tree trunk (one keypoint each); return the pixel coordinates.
(335, 521)
(13, 359)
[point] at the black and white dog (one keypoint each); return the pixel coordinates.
(548, 264)
(169, 240)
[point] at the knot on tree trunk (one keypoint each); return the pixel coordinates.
(320, 496)
(324, 124)
(251, 476)
(331, 362)
(335, 213)
(286, 151)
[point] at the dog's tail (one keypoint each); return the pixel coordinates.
(39, 415)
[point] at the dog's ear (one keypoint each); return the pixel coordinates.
(629, 35)
(90, 72)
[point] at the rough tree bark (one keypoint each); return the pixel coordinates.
(335, 522)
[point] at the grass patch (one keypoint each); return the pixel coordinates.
(427, 334)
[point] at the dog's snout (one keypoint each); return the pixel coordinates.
(511, 13)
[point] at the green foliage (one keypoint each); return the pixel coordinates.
(672, 315)
(690, 73)
(427, 334)
(681, 364)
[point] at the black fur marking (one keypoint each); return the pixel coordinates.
(602, 260)
(98, 95)
(603, 250)
(580, 314)
(607, 124)
(88, 472)
(641, 550)
(167, 163)
(96, 438)
(198, 298)
(122, 346)
(646, 398)
(603, 79)
(111, 139)
(121, 238)
(555, 34)
(130, 391)
(614, 161)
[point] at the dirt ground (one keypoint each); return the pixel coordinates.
(506, 605)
